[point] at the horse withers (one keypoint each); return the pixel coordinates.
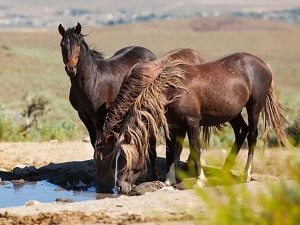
(142, 74)
(184, 97)
(95, 81)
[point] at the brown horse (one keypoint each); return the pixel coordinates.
(184, 97)
(95, 81)
(142, 74)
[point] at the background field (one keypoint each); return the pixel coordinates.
(31, 62)
(31, 65)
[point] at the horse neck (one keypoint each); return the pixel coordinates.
(85, 77)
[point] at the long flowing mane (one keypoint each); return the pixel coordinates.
(131, 88)
(144, 113)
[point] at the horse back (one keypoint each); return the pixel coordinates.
(132, 55)
(234, 72)
(218, 90)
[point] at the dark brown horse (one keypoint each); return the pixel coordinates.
(142, 74)
(95, 81)
(184, 97)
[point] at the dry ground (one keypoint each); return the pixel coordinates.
(167, 206)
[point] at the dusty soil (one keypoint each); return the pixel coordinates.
(68, 163)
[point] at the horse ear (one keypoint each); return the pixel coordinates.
(78, 28)
(61, 30)
(127, 137)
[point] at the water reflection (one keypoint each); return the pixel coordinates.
(17, 194)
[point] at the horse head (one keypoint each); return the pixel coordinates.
(118, 164)
(70, 47)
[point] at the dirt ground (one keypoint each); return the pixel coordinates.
(64, 163)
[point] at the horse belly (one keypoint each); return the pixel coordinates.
(222, 109)
(211, 120)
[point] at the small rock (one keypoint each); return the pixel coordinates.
(167, 188)
(31, 203)
(18, 182)
(64, 200)
(147, 187)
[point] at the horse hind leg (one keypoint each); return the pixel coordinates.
(253, 116)
(240, 129)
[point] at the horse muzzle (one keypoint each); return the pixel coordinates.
(71, 70)
(124, 187)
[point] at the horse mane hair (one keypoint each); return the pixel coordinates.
(95, 53)
(132, 86)
(143, 106)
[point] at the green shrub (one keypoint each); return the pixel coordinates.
(65, 130)
(275, 203)
(8, 131)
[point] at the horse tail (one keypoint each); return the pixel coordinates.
(206, 132)
(273, 116)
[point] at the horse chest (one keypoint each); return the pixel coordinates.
(83, 103)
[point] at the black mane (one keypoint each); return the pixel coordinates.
(72, 33)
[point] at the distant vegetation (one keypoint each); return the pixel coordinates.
(290, 16)
(48, 15)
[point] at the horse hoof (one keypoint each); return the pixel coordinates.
(247, 178)
(169, 182)
(201, 182)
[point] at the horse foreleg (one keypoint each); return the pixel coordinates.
(173, 152)
(240, 129)
(170, 157)
(153, 156)
(193, 131)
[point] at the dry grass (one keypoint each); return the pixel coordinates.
(30, 60)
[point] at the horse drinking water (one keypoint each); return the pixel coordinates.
(184, 97)
(142, 74)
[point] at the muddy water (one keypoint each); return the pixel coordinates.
(43, 191)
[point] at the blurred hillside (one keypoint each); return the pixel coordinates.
(42, 13)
